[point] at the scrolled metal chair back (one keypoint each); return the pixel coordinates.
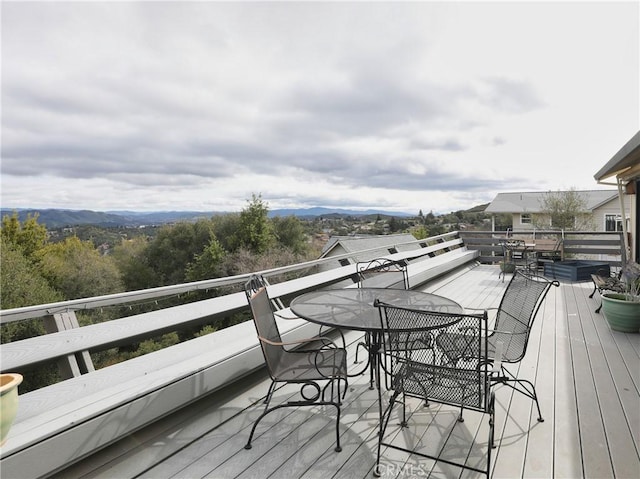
(422, 371)
(382, 273)
(517, 311)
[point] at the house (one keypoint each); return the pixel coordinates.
(623, 170)
(385, 244)
(602, 210)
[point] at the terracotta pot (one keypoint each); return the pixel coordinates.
(622, 314)
(8, 402)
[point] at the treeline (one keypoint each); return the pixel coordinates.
(35, 270)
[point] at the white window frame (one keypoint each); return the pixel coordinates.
(618, 220)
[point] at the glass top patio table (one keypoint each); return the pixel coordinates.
(353, 308)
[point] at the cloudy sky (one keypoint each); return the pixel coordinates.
(399, 106)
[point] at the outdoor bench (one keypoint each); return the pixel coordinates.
(613, 283)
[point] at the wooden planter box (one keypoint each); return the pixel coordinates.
(576, 270)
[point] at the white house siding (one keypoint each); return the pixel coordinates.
(599, 202)
(611, 208)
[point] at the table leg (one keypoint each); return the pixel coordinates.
(374, 360)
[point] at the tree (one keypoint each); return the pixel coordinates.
(129, 257)
(225, 228)
(77, 269)
(207, 264)
(174, 248)
(565, 210)
(290, 234)
(430, 218)
(420, 232)
(22, 285)
(255, 231)
(29, 236)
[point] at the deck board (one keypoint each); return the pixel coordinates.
(587, 377)
(540, 446)
(567, 454)
(592, 432)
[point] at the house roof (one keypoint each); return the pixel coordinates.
(365, 242)
(625, 163)
(531, 202)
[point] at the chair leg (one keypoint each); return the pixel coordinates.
(338, 448)
(363, 345)
(492, 420)
(523, 386)
(384, 421)
(272, 388)
(268, 410)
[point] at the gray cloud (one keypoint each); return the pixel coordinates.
(361, 96)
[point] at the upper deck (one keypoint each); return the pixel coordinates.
(587, 377)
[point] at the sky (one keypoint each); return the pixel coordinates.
(417, 106)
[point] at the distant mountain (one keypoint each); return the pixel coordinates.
(318, 211)
(161, 217)
(57, 218)
(54, 218)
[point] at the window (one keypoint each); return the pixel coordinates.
(612, 223)
(525, 219)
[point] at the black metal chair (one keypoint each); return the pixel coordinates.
(380, 273)
(549, 256)
(515, 253)
(309, 368)
(422, 373)
(507, 341)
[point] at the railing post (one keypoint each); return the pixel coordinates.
(72, 365)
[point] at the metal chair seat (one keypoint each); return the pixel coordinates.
(303, 366)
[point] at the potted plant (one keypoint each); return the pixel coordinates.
(622, 310)
(8, 402)
(507, 267)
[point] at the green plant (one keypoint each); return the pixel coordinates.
(631, 278)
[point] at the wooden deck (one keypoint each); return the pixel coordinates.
(587, 377)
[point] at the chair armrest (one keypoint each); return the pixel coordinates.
(325, 340)
(280, 315)
(481, 309)
(497, 360)
(491, 331)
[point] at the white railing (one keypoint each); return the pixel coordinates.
(18, 314)
(59, 424)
